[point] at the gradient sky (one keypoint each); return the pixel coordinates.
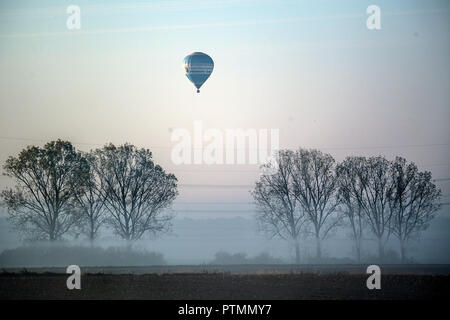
(309, 68)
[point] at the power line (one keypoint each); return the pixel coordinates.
(214, 211)
(227, 185)
(217, 171)
(435, 165)
(216, 185)
(212, 203)
(45, 141)
(257, 170)
(73, 142)
(387, 146)
(317, 147)
(238, 211)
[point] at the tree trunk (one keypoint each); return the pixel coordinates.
(358, 250)
(297, 252)
(403, 251)
(318, 248)
(380, 250)
(91, 233)
(129, 245)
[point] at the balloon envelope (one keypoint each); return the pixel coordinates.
(198, 67)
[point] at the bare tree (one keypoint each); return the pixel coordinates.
(278, 212)
(136, 190)
(375, 198)
(89, 199)
(316, 189)
(350, 192)
(414, 201)
(41, 204)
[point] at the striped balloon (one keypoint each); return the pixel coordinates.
(198, 67)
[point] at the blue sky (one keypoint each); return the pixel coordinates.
(310, 68)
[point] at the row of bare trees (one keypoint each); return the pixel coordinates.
(305, 192)
(61, 190)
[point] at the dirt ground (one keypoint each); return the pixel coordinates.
(223, 286)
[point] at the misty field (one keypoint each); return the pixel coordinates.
(407, 282)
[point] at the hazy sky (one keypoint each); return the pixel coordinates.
(309, 68)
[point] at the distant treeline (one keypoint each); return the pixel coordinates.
(50, 256)
(223, 258)
(226, 258)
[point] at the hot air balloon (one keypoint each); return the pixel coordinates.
(198, 67)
